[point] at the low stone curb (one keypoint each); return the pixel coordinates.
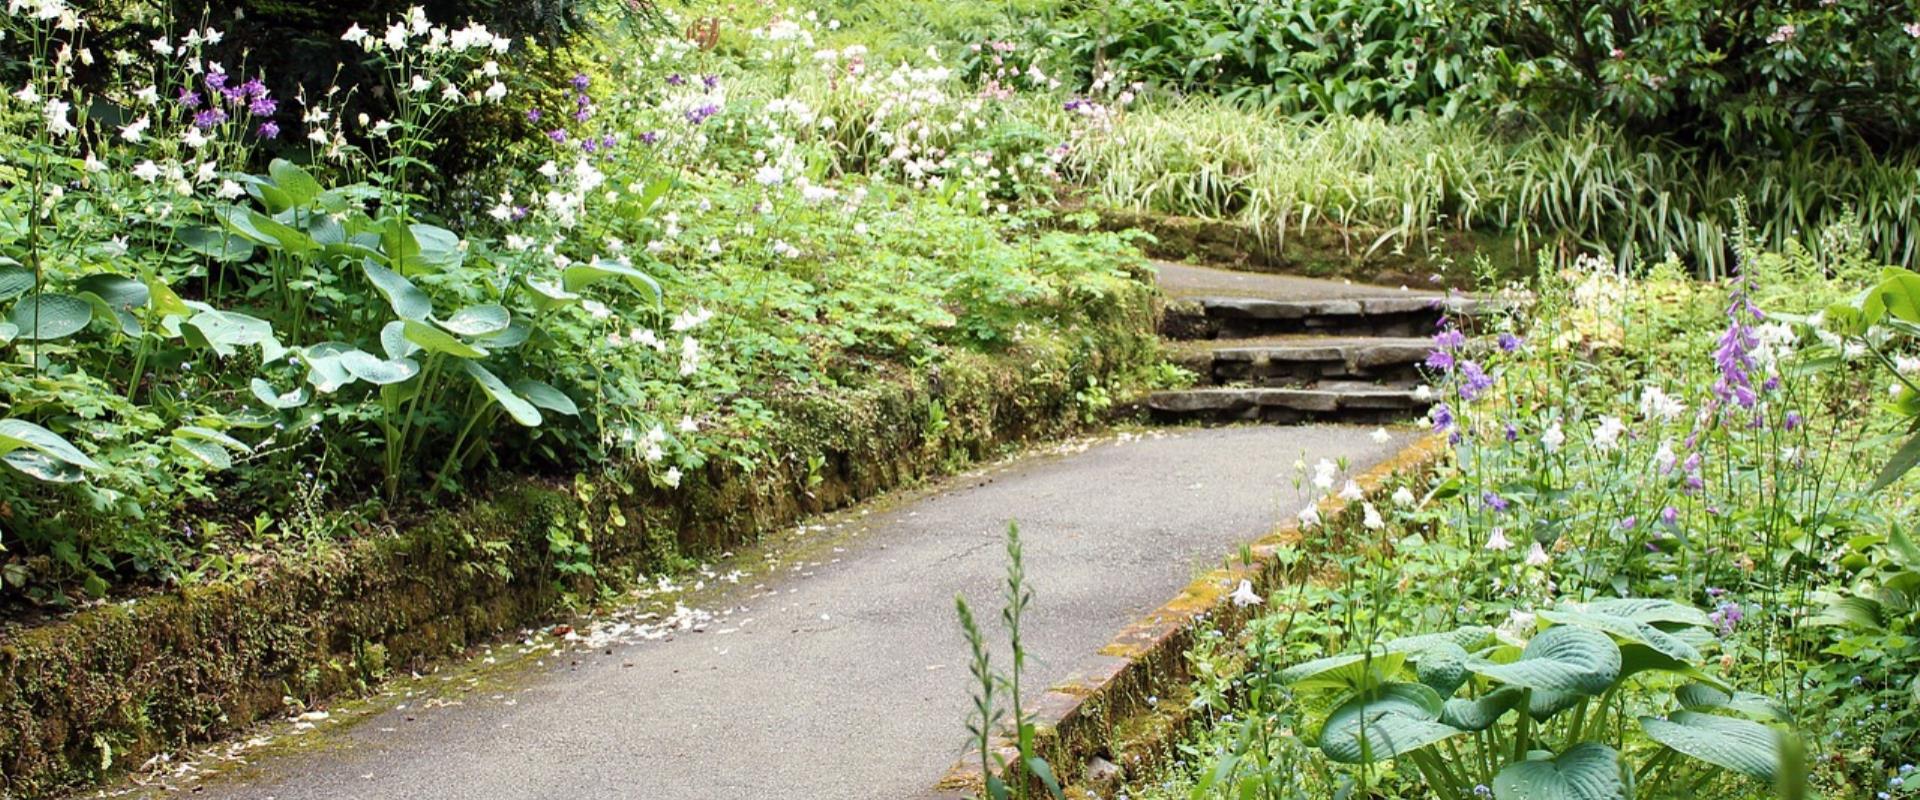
(1082, 717)
(108, 687)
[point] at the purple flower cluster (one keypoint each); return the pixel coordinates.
(1493, 501)
(250, 96)
(1733, 356)
(1727, 616)
(698, 115)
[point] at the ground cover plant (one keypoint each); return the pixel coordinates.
(1661, 560)
(238, 306)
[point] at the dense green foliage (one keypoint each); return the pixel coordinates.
(207, 347)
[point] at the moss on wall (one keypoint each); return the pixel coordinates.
(108, 687)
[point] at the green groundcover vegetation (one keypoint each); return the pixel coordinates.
(254, 306)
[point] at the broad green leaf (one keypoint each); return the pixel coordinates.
(1443, 666)
(325, 373)
(1386, 722)
(1702, 697)
(164, 302)
(15, 280)
(300, 186)
(545, 396)
(1743, 746)
(480, 320)
(1481, 712)
(1561, 659)
(1044, 771)
(208, 454)
(372, 369)
(406, 299)
(196, 433)
(1626, 629)
(516, 406)
(1899, 465)
(580, 276)
(1586, 771)
(223, 331)
(1345, 671)
(8, 331)
(216, 244)
(1651, 611)
(265, 393)
(42, 467)
(1471, 637)
(515, 334)
(439, 248)
(393, 339)
(434, 340)
(547, 296)
(19, 434)
(119, 296)
(46, 317)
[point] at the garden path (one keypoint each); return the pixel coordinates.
(834, 667)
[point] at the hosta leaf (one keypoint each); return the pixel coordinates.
(516, 406)
(1481, 712)
(580, 276)
(325, 372)
(199, 434)
(1702, 697)
(218, 245)
(8, 331)
(46, 317)
(265, 393)
(300, 186)
(15, 280)
(1442, 666)
(480, 320)
(1743, 746)
(163, 301)
(393, 339)
(439, 247)
(1650, 611)
(514, 335)
(1386, 722)
(207, 454)
(547, 397)
(434, 340)
(405, 298)
(40, 466)
(546, 296)
(19, 434)
(1345, 671)
(1625, 628)
(1561, 659)
(1469, 638)
(1587, 771)
(223, 331)
(376, 371)
(120, 296)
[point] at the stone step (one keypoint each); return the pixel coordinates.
(1410, 315)
(1331, 401)
(1303, 361)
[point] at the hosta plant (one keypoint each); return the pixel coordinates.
(1608, 700)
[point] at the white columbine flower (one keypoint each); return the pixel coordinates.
(1607, 436)
(687, 425)
(135, 130)
(1404, 498)
(1656, 404)
(1498, 541)
(1537, 557)
(147, 171)
(1309, 516)
(354, 35)
(1351, 492)
(57, 122)
(1371, 517)
(1244, 595)
(1381, 436)
(672, 478)
(1553, 437)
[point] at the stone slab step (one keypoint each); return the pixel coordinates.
(1302, 361)
(1329, 401)
(1215, 317)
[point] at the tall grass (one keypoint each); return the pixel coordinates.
(1581, 184)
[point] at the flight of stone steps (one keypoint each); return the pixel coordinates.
(1284, 349)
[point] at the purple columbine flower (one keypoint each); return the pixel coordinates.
(1629, 523)
(557, 135)
(1494, 501)
(699, 115)
(1442, 417)
(188, 98)
(208, 117)
(268, 130)
(1510, 343)
(262, 106)
(533, 115)
(215, 81)
(1440, 360)
(1513, 433)
(589, 145)
(676, 80)
(1449, 337)
(1727, 616)
(580, 81)
(1793, 420)
(1474, 380)
(608, 141)
(710, 81)
(234, 95)
(582, 115)
(254, 88)
(1670, 516)
(519, 213)
(650, 137)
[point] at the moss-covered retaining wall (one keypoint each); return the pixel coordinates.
(110, 686)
